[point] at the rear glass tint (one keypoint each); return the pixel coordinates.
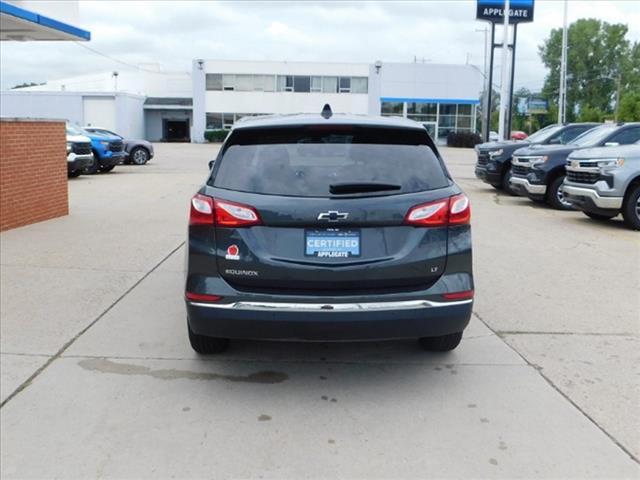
(306, 161)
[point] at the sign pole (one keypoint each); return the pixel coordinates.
(504, 87)
(487, 113)
(513, 69)
(562, 100)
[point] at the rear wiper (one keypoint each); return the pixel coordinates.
(362, 187)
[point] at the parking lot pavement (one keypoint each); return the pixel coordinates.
(98, 379)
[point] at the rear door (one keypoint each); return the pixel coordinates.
(328, 209)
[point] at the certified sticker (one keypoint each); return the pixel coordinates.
(232, 253)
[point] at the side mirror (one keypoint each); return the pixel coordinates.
(611, 144)
(211, 164)
(555, 141)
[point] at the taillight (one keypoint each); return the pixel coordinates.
(231, 214)
(455, 210)
(202, 297)
(201, 210)
(464, 295)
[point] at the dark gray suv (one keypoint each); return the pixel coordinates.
(328, 227)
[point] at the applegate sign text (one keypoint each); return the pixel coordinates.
(520, 11)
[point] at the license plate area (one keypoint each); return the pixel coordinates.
(332, 243)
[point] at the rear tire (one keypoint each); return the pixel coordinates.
(598, 216)
(207, 345)
(139, 156)
(631, 208)
(506, 184)
(107, 169)
(555, 196)
(443, 343)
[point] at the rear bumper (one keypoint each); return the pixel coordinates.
(329, 322)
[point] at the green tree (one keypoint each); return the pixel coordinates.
(597, 54)
(629, 110)
(25, 84)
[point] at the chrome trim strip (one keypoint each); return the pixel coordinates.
(534, 189)
(330, 307)
(599, 201)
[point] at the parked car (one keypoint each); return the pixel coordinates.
(539, 170)
(518, 135)
(136, 151)
(494, 158)
(108, 151)
(493, 136)
(329, 227)
(79, 154)
(605, 181)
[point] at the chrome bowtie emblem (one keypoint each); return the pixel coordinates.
(333, 216)
(575, 164)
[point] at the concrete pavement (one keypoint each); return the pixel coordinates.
(98, 379)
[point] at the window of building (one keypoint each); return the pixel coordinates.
(214, 121)
(227, 120)
(213, 81)
(392, 109)
(264, 83)
(345, 85)
(301, 84)
(228, 82)
(359, 84)
(285, 83)
(329, 84)
(316, 84)
(244, 83)
(422, 112)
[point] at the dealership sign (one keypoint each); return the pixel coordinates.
(520, 11)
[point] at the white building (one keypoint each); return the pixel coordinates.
(175, 106)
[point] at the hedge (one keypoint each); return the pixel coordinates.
(463, 139)
(216, 135)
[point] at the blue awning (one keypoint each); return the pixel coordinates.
(20, 24)
(460, 101)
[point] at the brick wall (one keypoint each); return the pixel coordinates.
(33, 171)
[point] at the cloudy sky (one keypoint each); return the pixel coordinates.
(174, 32)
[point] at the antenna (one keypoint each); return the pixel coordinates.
(326, 111)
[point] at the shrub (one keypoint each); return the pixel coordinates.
(216, 135)
(463, 139)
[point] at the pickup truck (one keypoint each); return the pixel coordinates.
(79, 154)
(538, 171)
(108, 151)
(603, 182)
(494, 158)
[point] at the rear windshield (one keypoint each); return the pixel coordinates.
(307, 162)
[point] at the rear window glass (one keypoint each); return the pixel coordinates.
(306, 162)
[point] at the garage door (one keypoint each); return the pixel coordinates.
(100, 112)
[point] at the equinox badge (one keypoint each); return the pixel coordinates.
(333, 216)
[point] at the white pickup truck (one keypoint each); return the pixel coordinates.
(79, 155)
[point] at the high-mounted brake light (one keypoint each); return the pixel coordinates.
(201, 210)
(455, 210)
(232, 214)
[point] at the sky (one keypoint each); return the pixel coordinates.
(172, 33)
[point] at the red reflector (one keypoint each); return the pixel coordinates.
(202, 297)
(458, 295)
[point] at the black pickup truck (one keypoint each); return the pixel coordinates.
(494, 158)
(539, 170)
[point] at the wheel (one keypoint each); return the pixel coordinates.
(443, 343)
(497, 187)
(207, 345)
(107, 169)
(506, 184)
(631, 208)
(598, 216)
(139, 156)
(74, 174)
(555, 195)
(94, 166)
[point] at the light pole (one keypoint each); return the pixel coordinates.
(562, 99)
(485, 93)
(504, 90)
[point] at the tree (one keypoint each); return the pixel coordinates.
(25, 84)
(629, 110)
(597, 54)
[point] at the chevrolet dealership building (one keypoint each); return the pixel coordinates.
(179, 106)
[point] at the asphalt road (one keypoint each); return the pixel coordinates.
(98, 379)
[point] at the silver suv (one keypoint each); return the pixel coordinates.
(603, 182)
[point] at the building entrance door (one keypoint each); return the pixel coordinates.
(176, 130)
